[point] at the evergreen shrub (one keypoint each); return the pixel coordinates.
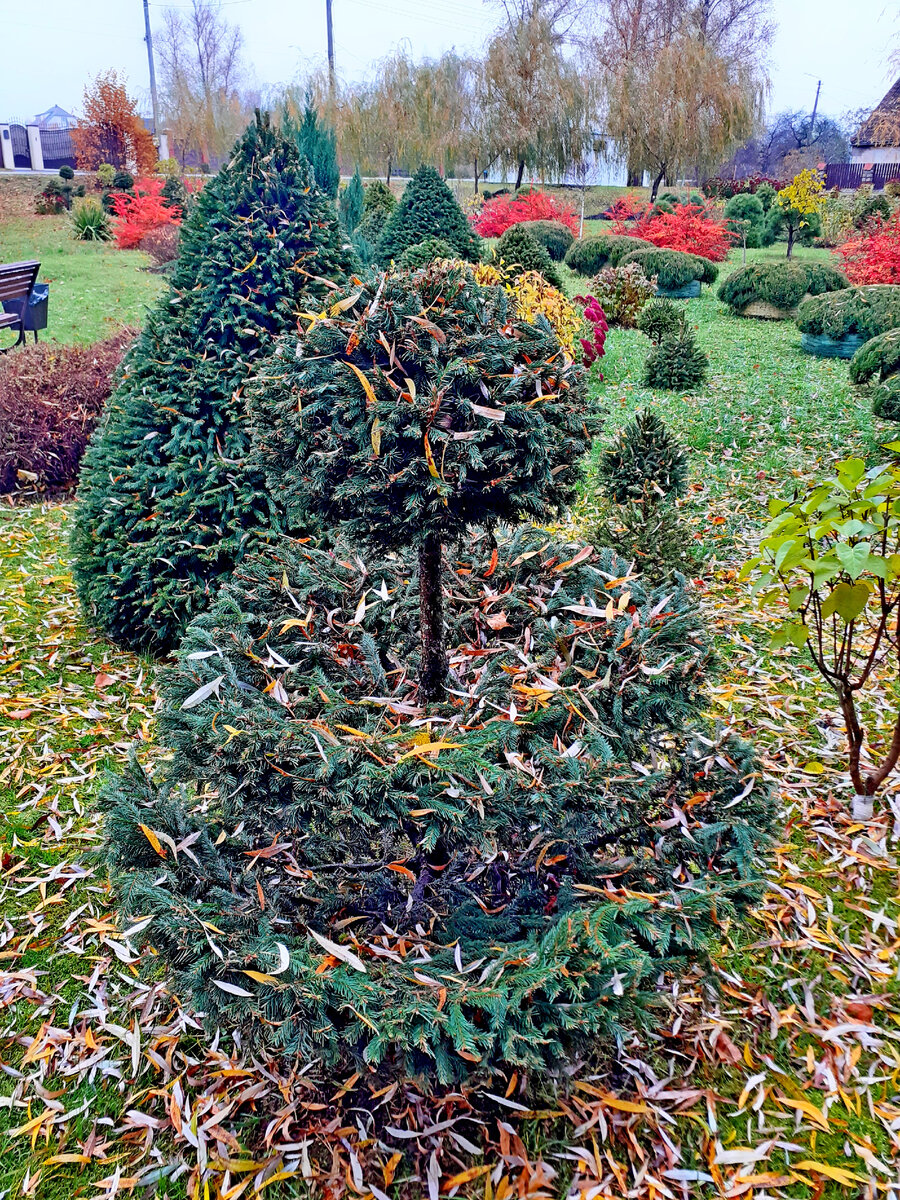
(590, 255)
(746, 206)
(877, 358)
(781, 284)
(317, 143)
(676, 362)
(495, 881)
(517, 252)
(866, 311)
(554, 236)
(167, 503)
(378, 197)
(659, 318)
(425, 252)
(673, 268)
(886, 399)
(428, 209)
(352, 202)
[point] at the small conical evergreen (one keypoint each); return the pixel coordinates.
(317, 142)
(378, 197)
(166, 503)
(659, 318)
(352, 201)
(517, 252)
(642, 458)
(428, 209)
(676, 362)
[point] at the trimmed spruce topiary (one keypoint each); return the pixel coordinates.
(517, 252)
(781, 285)
(673, 268)
(494, 889)
(590, 255)
(425, 252)
(428, 209)
(659, 318)
(167, 503)
(676, 362)
(746, 207)
(554, 236)
(863, 311)
(877, 362)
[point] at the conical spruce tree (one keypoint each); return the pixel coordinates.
(428, 209)
(643, 458)
(351, 203)
(517, 252)
(317, 143)
(434, 801)
(166, 502)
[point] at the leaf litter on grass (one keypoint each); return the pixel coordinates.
(780, 1081)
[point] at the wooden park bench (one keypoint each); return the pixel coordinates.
(16, 283)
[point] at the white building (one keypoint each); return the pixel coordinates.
(878, 138)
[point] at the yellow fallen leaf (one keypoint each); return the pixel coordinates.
(152, 839)
(838, 1174)
(809, 1109)
(367, 387)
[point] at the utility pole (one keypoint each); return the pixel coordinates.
(330, 30)
(812, 120)
(148, 38)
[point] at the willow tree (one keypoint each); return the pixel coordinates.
(682, 109)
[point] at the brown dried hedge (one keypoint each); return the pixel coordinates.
(50, 399)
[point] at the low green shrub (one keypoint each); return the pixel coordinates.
(590, 255)
(766, 192)
(659, 318)
(886, 399)
(673, 268)
(378, 197)
(746, 207)
(90, 222)
(517, 252)
(643, 459)
(781, 284)
(676, 362)
(425, 252)
(622, 293)
(554, 236)
(865, 311)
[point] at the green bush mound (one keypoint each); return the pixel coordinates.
(590, 255)
(555, 237)
(378, 197)
(517, 251)
(428, 209)
(676, 362)
(865, 311)
(877, 362)
(781, 284)
(746, 207)
(167, 503)
(436, 899)
(425, 252)
(362, 866)
(673, 268)
(659, 318)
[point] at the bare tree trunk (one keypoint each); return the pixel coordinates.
(433, 669)
(389, 171)
(656, 182)
(790, 240)
(475, 166)
(520, 174)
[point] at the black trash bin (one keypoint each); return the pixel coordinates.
(34, 309)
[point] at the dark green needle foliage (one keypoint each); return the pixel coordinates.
(493, 881)
(351, 203)
(426, 252)
(317, 143)
(673, 268)
(747, 218)
(864, 311)
(428, 209)
(676, 362)
(554, 236)
(659, 318)
(639, 478)
(781, 284)
(877, 363)
(378, 197)
(167, 503)
(590, 255)
(517, 251)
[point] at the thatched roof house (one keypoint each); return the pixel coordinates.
(878, 138)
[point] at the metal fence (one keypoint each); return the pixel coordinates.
(854, 175)
(57, 149)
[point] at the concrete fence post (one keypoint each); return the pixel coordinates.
(7, 158)
(34, 147)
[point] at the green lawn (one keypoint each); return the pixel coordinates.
(94, 288)
(764, 1086)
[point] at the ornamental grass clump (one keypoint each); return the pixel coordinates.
(427, 209)
(417, 813)
(167, 503)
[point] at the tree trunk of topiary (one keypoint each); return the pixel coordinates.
(433, 670)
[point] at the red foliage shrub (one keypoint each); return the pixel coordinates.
(691, 228)
(50, 399)
(593, 347)
(139, 213)
(873, 257)
(503, 211)
(161, 244)
(623, 211)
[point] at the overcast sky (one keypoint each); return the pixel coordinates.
(48, 48)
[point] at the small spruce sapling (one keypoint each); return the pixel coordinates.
(352, 201)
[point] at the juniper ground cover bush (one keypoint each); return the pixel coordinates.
(673, 268)
(167, 503)
(781, 284)
(877, 363)
(590, 255)
(865, 311)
